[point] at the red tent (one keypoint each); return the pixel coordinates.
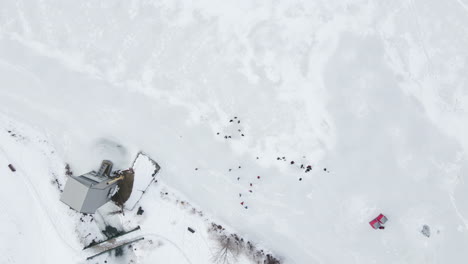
(379, 221)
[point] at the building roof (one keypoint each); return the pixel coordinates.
(89, 191)
(85, 195)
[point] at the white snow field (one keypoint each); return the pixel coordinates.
(38, 228)
(375, 92)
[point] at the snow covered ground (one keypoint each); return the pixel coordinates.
(145, 171)
(38, 228)
(375, 92)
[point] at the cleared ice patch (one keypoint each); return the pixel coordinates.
(110, 149)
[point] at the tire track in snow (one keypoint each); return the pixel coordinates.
(170, 242)
(420, 36)
(460, 216)
(463, 5)
(454, 203)
(32, 190)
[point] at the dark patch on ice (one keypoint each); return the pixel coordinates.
(140, 211)
(119, 252)
(110, 231)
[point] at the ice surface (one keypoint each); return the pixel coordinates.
(374, 91)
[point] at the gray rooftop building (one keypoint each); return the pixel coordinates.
(88, 192)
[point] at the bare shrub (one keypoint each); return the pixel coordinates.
(271, 260)
(230, 246)
(228, 250)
